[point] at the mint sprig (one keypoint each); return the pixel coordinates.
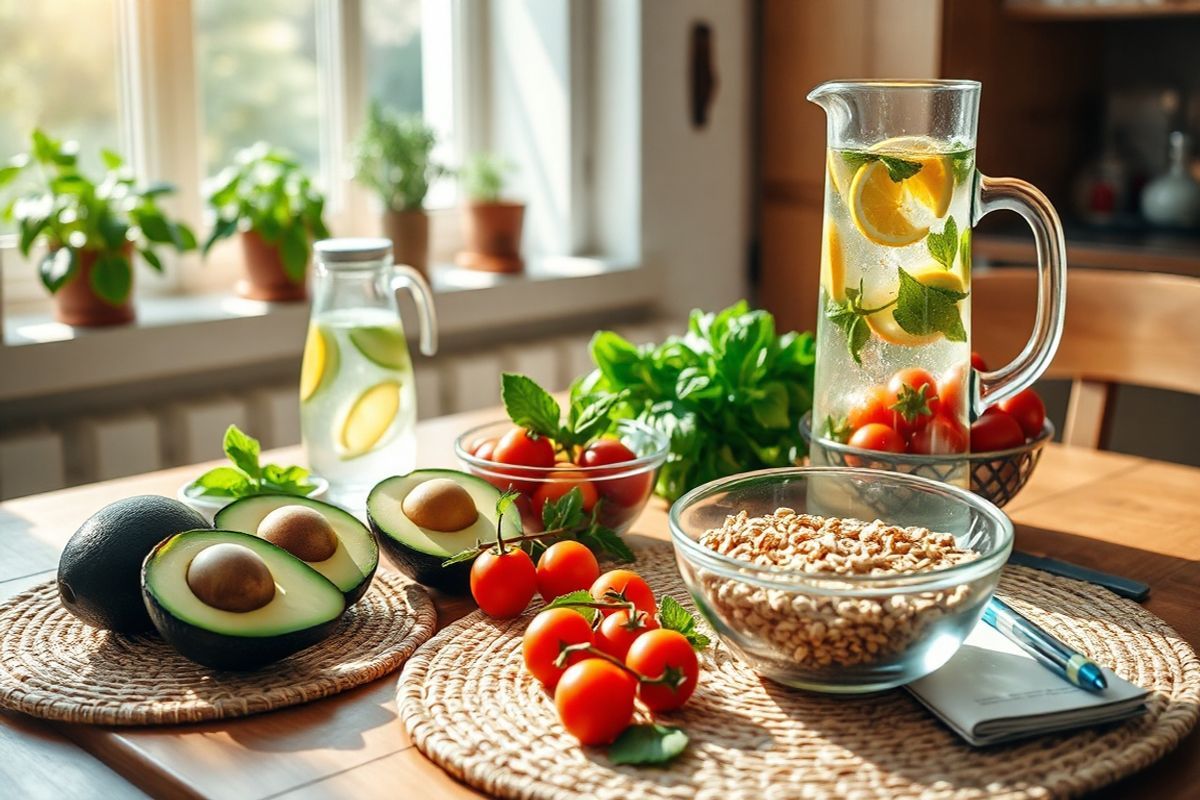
(674, 617)
(922, 310)
(247, 476)
(898, 169)
(850, 316)
(962, 164)
(533, 408)
(944, 246)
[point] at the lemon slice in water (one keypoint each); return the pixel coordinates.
(878, 207)
(369, 419)
(833, 263)
(884, 325)
(933, 186)
(320, 361)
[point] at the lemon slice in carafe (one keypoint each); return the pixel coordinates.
(320, 361)
(883, 324)
(369, 419)
(879, 207)
(933, 185)
(833, 263)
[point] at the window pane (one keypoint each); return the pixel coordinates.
(58, 70)
(393, 37)
(257, 67)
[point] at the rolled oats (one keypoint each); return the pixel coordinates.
(824, 631)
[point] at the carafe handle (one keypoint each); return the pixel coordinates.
(1028, 201)
(404, 277)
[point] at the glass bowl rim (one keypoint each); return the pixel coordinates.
(602, 472)
(788, 579)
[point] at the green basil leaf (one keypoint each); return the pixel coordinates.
(222, 230)
(286, 480)
(565, 512)
(647, 744)
(111, 278)
(591, 415)
(673, 616)
(461, 556)
(574, 600)
(529, 405)
(57, 267)
(606, 542)
(152, 259)
(243, 451)
(154, 225)
(224, 482)
(293, 251)
(771, 410)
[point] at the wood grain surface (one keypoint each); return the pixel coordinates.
(1119, 513)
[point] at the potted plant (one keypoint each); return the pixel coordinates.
(268, 198)
(394, 157)
(491, 225)
(90, 229)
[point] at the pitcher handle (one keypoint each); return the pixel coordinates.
(1028, 201)
(405, 277)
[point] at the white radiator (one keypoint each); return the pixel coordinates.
(84, 448)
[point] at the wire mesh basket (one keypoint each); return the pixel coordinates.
(997, 476)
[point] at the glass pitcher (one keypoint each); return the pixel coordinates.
(893, 333)
(358, 402)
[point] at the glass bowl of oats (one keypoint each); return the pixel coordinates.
(800, 578)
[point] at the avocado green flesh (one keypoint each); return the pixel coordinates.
(303, 598)
(419, 552)
(357, 554)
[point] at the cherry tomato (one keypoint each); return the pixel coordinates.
(875, 436)
(618, 631)
(566, 567)
(995, 430)
(630, 491)
(664, 654)
(559, 484)
(942, 436)
(916, 400)
(545, 638)
(485, 449)
(875, 407)
(594, 699)
(1027, 409)
(952, 392)
(628, 584)
(521, 448)
(977, 362)
(503, 585)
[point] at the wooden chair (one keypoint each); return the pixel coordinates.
(1122, 327)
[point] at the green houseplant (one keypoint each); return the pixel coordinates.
(268, 198)
(491, 224)
(393, 156)
(89, 228)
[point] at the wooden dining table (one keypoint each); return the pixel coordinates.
(1113, 512)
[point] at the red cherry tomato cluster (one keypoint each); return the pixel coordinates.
(517, 450)
(916, 413)
(913, 413)
(503, 585)
(599, 671)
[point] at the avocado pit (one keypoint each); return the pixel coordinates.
(302, 531)
(441, 505)
(231, 577)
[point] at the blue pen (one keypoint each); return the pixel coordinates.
(1048, 651)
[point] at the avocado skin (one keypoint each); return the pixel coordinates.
(220, 651)
(423, 567)
(99, 572)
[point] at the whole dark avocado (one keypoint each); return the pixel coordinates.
(99, 572)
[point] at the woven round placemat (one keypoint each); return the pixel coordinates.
(54, 666)
(469, 705)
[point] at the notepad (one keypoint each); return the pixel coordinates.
(991, 691)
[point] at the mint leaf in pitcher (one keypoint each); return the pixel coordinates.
(962, 163)
(898, 169)
(922, 310)
(850, 316)
(944, 246)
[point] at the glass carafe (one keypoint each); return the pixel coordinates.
(358, 403)
(893, 335)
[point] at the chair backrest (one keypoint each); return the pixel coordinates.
(1139, 328)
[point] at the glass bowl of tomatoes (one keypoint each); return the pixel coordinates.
(997, 475)
(614, 473)
(808, 585)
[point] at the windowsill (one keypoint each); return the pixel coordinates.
(49, 357)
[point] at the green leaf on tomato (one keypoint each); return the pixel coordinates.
(647, 744)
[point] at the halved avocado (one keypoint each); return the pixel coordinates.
(419, 551)
(351, 566)
(304, 610)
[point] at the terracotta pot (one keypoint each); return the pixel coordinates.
(76, 304)
(493, 236)
(265, 278)
(409, 232)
